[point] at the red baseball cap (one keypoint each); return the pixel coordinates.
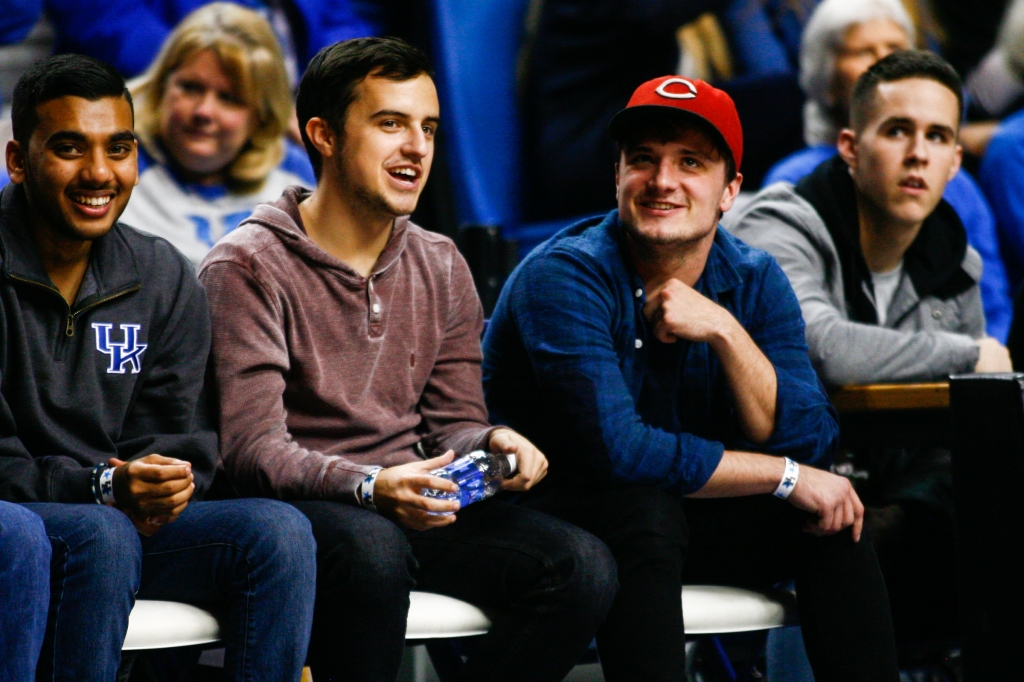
(689, 95)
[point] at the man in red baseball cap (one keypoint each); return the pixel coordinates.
(661, 365)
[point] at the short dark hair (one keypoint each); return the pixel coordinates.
(664, 124)
(899, 66)
(63, 75)
(328, 86)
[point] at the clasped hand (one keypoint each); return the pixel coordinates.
(677, 311)
(152, 490)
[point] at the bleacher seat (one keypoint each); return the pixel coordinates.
(166, 624)
(707, 609)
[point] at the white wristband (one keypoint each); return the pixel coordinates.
(788, 482)
(366, 490)
(107, 486)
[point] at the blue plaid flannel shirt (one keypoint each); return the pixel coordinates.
(570, 362)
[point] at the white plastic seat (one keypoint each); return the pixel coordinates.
(166, 624)
(715, 609)
(435, 616)
(707, 609)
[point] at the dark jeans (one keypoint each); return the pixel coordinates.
(660, 542)
(549, 583)
(24, 591)
(251, 562)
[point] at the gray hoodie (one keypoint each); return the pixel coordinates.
(923, 338)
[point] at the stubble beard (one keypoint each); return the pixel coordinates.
(654, 243)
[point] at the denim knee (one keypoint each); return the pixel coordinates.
(270, 533)
(23, 538)
(594, 578)
(104, 542)
(359, 553)
(376, 554)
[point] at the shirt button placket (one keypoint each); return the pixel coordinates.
(376, 310)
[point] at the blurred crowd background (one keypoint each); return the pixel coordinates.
(527, 89)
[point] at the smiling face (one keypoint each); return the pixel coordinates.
(863, 45)
(204, 121)
(388, 144)
(673, 193)
(79, 167)
(907, 150)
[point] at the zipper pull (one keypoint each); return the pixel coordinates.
(70, 329)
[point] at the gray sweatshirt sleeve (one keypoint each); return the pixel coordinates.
(972, 311)
(843, 352)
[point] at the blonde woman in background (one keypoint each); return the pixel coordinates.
(211, 114)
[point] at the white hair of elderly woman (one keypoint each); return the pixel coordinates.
(822, 39)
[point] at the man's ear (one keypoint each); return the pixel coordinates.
(847, 146)
(957, 160)
(15, 162)
(321, 136)
(730, 193)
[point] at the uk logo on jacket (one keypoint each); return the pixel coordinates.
(126, 352)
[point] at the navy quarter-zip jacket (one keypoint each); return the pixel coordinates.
(118, 374)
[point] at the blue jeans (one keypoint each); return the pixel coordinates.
(549, 584)
(24, 591)
(251, 562)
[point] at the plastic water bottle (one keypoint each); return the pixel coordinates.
(478, 475)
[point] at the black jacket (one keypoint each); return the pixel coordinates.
(76, 385)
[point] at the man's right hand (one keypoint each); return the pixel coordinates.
(152, 490)
(829, 497)
(397, 494)
(992, 356)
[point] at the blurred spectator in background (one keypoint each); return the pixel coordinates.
(988, 45)
(128, 33)
(583, 59)
(211, 113)
(16, 20)
(1002, 178)
(997, 86)
(764, 35)
(583, 62)
(842, 39)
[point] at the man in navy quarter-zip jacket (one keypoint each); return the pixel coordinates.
(104, 335)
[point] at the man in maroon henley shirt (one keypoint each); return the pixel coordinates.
(346, 346)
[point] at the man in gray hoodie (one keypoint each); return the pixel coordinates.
(880, 263)
(888, 287)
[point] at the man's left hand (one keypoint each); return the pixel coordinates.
(531, 464)
(678, 311)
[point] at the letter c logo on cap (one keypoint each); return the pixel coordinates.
(677, 95)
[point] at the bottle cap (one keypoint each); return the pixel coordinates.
(511, 457)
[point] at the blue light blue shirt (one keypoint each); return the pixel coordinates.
(1002, 179)
(570, 362)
